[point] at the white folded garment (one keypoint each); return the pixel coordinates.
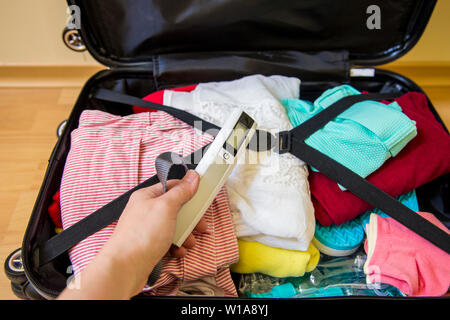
(270, 199)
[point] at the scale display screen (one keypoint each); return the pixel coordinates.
(237, 135)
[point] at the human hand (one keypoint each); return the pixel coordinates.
(143, 235)
(146, 228)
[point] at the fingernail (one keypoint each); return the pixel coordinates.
(191, 176)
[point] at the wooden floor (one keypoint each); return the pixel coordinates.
(28, 121)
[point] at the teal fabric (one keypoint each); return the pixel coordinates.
(361, 138)
(346, 236)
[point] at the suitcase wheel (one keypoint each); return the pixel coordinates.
(19, 291)
(72, 39)
(14, 268)
(60, 128)
(25, 291)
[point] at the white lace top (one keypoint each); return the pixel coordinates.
(269, 193)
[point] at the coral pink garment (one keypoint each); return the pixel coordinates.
(399, 257)
(424, 159)
(110, 155)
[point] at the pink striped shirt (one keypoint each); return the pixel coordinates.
(110, 155)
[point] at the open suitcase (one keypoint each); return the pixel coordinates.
(153, 45)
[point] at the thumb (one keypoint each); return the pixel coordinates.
(184, 190)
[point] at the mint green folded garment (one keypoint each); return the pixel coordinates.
(361, 138)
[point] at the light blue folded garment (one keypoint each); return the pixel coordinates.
(361, 138)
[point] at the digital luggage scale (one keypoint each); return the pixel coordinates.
(214, 168)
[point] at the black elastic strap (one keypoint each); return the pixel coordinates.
(317, 122)
(352, 181)
(94, 222)
(371, 194)
(261, 141)
(189, 118)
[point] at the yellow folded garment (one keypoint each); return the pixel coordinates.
(275, 262)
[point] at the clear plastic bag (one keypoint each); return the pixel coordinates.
(333, 277)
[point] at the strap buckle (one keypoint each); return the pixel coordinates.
(284, 142)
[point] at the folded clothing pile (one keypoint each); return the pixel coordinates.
(422, 160)
(362, 137)
(269, 198)
(110, 155)
(264, 219)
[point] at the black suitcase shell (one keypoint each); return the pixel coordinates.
(152, 45)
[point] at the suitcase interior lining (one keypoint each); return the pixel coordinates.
(51, 278)
(114, 29)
